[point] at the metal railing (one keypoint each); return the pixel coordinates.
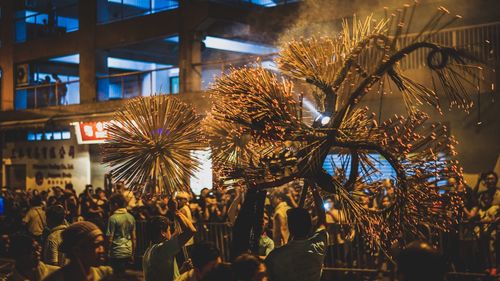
(264, 3)
(347, 253)
(137, 83)
(117, 10)
(31, 25)
(482, 41)
(44, 95)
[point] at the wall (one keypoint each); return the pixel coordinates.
(51, 163)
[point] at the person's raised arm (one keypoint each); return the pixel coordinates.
(187, 229)
(320, 210)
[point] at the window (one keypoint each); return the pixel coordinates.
(48, 135)
(174, 85)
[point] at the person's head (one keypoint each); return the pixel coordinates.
(159, 229)
(69, 187)
(420, 261)
(84, 242)
(182, 199)
(117, 201)
(204, 192)
(299, 222)
(386, 202)
(491, 180)
(89, 189)
(25, 251)
(278, 198)
(205, 257)
(47, 79)
(249, 268)
(100, 193)
(57, 191)
(452, 182)
(55, 76)
(119, 187)
(36, 201)
(55, 215)
(220, 272)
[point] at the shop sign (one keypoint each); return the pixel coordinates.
(91, 132)
(51, 163)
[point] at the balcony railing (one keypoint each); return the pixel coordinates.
(138, 83)
(44, 95)
(117, 10)
(31, 25)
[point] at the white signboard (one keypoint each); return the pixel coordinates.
(51, 163)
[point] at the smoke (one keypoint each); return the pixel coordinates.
(323, 17)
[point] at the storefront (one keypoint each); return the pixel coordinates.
(40, 158)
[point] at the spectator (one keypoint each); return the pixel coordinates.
(266, 244)
(85, 201)
(212, 211)
(121, 234)
(71, 206)
(280, 226)
(220, 272)
(419, 261)
(249, 268)
(183, 207)
(83, 244)
(35, 219)
(58, 196)
(205, 257)
(470, 208)
(492, 192)
(61, 90)
(26, 252)
(159, 262)
(56, 224)
(302, 258)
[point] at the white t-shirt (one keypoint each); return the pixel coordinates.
(299, 260)
(158, 262)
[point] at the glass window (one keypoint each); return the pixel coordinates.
(66, 135)
(174, 85)
(31, 136)
(57, 136)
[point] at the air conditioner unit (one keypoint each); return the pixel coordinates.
(22, 74)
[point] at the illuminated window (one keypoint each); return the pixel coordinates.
(66, 135)
(57, 136)
(174, 85)
(31, 136)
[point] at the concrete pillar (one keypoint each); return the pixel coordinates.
(7, 67)
(189, 53)
(87, 16)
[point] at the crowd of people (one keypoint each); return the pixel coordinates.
(58, 234)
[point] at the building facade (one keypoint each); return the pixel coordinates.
(67, 65)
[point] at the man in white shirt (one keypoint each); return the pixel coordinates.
(159, 261)
(301, 259)
(35, 219)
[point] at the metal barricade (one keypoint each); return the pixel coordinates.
(218, 233)
(468, 251)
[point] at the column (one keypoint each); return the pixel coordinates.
(87, 16)
(189, 52)
(7, 67)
